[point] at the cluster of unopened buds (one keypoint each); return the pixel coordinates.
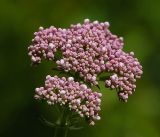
(87, 49)
(78, 97)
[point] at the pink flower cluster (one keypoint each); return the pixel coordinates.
(77, 96)
(126, 69)
(85, 47)
(89, 49)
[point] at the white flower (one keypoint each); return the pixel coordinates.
(70, 79)
(51, 46)
(62, 92)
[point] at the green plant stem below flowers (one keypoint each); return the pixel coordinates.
(67, 120)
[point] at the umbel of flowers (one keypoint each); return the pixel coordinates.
(78, 97)
(87, 49)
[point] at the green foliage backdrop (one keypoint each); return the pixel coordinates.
(138, 21)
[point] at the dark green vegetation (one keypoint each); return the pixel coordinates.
(136, 20)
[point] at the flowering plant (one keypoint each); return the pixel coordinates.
(85, 52)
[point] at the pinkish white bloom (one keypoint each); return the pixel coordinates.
(77, 96)
(89, 49)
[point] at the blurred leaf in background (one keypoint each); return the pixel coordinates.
(137, 21)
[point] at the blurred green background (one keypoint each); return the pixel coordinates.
(138, 21)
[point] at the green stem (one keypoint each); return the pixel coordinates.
(61, 131)
(66, 132)
(55, 133)
(62, 127)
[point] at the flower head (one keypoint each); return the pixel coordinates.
(89, 49)
(77, 96)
